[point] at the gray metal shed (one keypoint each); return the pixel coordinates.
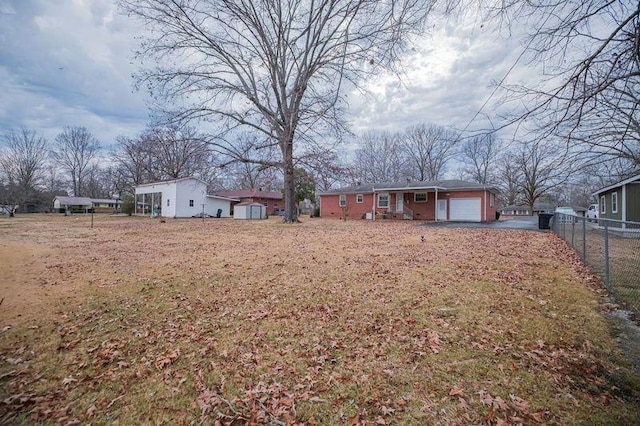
(249, 211)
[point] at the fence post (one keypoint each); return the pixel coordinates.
(584, 240)
(573, 232)
(606, 255)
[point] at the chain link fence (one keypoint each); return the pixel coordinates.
(611, 249)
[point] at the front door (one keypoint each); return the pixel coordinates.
(399, 202)
(441, 213)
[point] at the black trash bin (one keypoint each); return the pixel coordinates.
(543, 220)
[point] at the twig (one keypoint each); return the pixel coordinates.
(273, 418)
(8, 374)
(114, 400)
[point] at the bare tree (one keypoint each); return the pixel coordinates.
(378, 158)
(75, 149)
(329, 170)
(174, 152)
(262, 171)
(22, 163)
(509, 176)
(97, 182)
(479, 155)
(428, 149)
(541, 169)
(131, 162)
(591, 62)
(277, 67)
(161, 152)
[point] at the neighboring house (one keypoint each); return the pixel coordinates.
(64, 204)
(523, 209)
(271, 200)
(620, 201)
(453, 200)
(185, 197)
(102, 205)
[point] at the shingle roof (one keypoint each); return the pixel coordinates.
(451, 184)
(74, 201)
(250, 193)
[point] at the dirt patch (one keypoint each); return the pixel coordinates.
(24, 288)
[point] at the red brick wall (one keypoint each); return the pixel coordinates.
(421, 210)
(329, 206)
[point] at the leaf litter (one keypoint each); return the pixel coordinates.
(325, 322)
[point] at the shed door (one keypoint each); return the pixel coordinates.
(467, 209)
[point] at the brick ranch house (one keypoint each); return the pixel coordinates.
(447, 200)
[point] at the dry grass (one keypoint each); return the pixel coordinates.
(324, 322)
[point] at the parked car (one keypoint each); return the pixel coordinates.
(592, 211)
(565, 215)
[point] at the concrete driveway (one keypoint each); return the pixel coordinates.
(522, 222)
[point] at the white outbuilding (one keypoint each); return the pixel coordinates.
(249, 211)
(185, 197)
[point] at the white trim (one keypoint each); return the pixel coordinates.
(624, 182)
(342, 200)
(361, 198)
(164, 182)
(624, 202)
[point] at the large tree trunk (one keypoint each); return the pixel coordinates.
(290, 208)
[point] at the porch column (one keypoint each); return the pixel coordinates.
(373, 209)
(435, 208)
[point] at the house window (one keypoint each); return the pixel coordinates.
(420, 197)
(190, 203)
(383, 201)
(492, 199)
(342, 200)
(168, 202)
(614, 202)
(603, 205)
(359, 198)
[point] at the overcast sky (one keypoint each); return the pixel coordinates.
(70, 62)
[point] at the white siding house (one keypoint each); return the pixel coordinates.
(183, 197)
(215, 203)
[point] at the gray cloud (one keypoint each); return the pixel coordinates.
(68, 63)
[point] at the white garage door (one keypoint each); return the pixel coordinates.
(465, 209)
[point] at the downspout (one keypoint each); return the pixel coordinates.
(484, 208)
(436, 206)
